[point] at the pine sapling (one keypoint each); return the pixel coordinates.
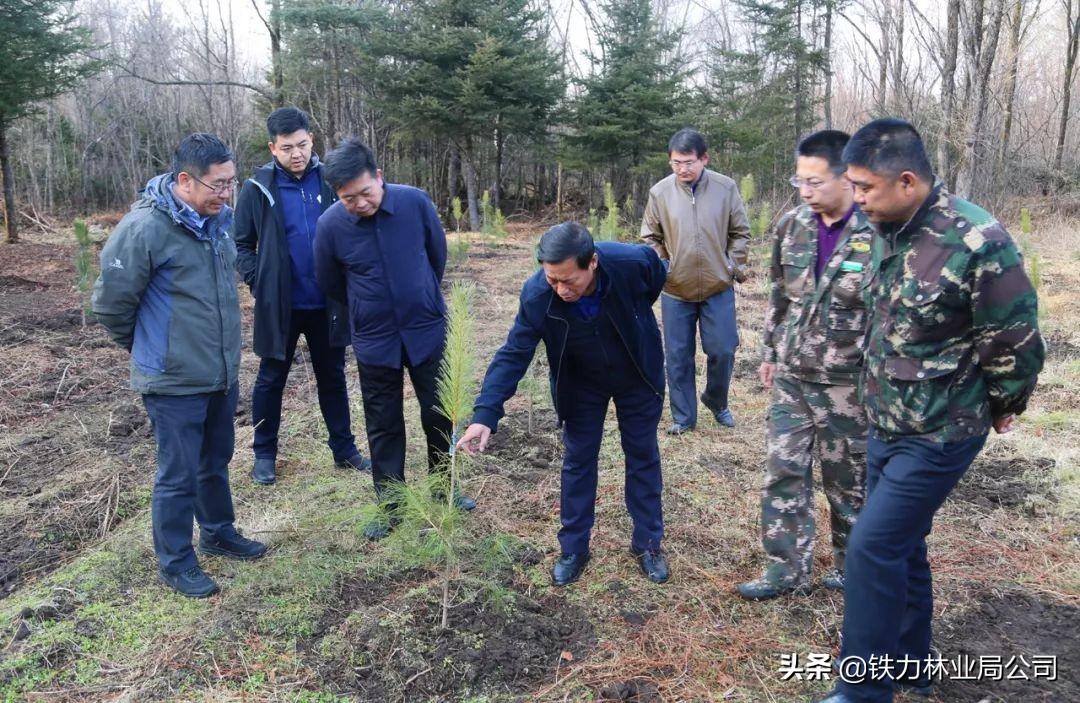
(85, 271)
(455, 208)
(456, 390)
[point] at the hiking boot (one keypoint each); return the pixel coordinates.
(193, 582)
(765, 588)
(234, 546)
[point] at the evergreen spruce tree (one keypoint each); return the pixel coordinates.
(43, 54)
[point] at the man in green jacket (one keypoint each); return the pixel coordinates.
(953, 349)
(812, 351)
(167, 294)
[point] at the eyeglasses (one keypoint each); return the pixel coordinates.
(811, 183)
(680, 165)
(219, 187)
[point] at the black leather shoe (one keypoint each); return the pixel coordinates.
(765, 588)
(568, 568)
(380, 528)
(235, 546)
(357, 461)
(264, 473)
(193, 583)
(653, 564)
(837, 697)
(677, 428)
(463, 502)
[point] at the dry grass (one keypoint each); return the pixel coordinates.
(692, 639)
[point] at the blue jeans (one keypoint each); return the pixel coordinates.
(719, 337)
(637, 408)
(194, 436)
(888, 598)
(328, 363)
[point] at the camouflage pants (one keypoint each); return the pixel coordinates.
(805, 416)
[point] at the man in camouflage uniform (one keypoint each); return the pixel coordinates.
(812, 356)
(953, 349)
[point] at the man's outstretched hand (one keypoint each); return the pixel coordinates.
(475, 438)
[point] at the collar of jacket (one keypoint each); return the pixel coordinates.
(388, 201)
(159, 193)
(693, 190)
(557, 308)
(313, 165)
(934, 199)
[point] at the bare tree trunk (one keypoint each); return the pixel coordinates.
(884, 55)
(946, 147)
(278, 72)
(496, 189)
(452, 169)
(468, 157)
(827, 100)
(983, 52)
(1010, 83)
(899, 101)
(1072, 27)
(10, 210)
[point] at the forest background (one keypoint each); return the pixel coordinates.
(539, 103)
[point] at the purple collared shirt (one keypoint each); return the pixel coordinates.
(827, 237)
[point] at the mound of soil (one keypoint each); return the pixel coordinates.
(393, 646)
(519, 454)
(1008, 625)
(994, 482)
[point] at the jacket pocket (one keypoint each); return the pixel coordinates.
(922, 315)
(916, 394)
(798, 276)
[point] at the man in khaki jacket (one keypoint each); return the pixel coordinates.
(696, 222)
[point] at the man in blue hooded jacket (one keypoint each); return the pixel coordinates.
(167, 294)
(591, 304)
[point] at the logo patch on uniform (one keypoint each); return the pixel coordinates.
(860, 246)
(851, 265)
(116, 264)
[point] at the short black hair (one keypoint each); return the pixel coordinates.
(286, 120)
(196, 153)
(350, 160)
(827, 144)
(889, 146)
(565, 241)
(687, 141)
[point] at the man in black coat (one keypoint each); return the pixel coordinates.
(382, 251)
(591, 304)
(276, 215)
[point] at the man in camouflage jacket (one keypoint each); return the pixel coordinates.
(953, 349)
(812, 355)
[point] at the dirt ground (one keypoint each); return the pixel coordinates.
(328, 616)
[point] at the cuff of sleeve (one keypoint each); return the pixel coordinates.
(768, 355)
(486, 417)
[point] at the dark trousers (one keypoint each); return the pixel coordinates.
(382, 388)
(888, 599)
(715, 316)
(638, 409)
(194, 436)
(328, 363)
